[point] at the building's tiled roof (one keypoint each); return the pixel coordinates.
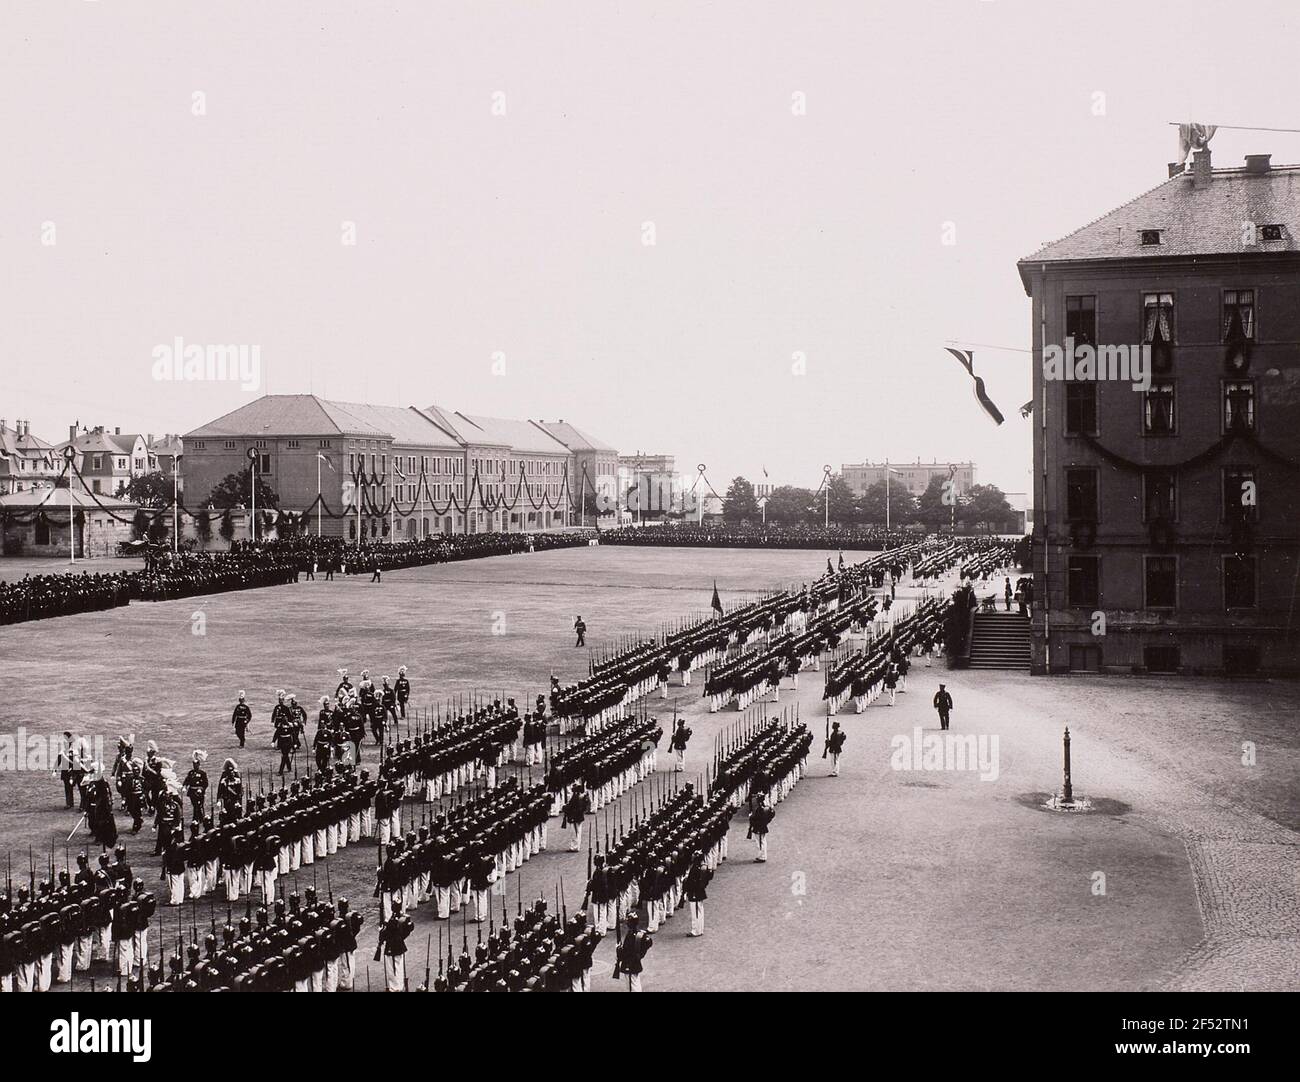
(405, 424)
(286, 415)
(1193, 221)
(517, 435)
(109, 442)
(573, 437)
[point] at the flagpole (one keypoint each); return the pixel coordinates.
(318, 507)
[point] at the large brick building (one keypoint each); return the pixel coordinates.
(1167, 517)
(448, 472)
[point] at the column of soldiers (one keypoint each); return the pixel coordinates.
(463, 750)
(270, 835)
(454, 859)
(308, 945)
(606, 764)
(883, 664)
(51, 931)
(547, 952)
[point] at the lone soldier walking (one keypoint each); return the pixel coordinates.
(581, 629)
(760, 819)
(575, 811)
(835, 747)
(695, 887)
(392, 942)
(240, 718)
(943, 704)
(681, 736)
(628, 954)
(196, 784)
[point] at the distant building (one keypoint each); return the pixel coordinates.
(649, 485)
(914, 476)
(25, 460)
(164, 452)
(38, 525)
(1167, 508)
(105, 460)
(448, 472)
(595, 471)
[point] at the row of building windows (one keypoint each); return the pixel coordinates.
(1160, 582)
(1159, 415)
(1157, 314)
(1240, 495)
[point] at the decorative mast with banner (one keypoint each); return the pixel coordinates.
(967, 359)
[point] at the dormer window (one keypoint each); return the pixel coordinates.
(1150, 237)
(1271, 232)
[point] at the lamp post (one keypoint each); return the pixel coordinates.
(69, 453)
(826, 474)
(1067, 792)
(252, 488)
(176, 473)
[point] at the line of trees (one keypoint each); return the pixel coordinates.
(982, 507)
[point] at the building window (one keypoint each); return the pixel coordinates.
(1161, 659)
(324, 443)
(1239, 582)
(1161, 582)
(199, 445)
(1080, 408)
(263, 463)
(1239, 405)
(97, 462)
(230, 445)
(1159, 496)
(1081, 318)
(1150, 237)
(259, 444)
(1082, 581)
(1240, 497)
(1157, 317)
(1158, 417)
(1238, 315)
(1271, 232)
(1085, 658)
(1081, 495)
(293, 445)
(94, 486)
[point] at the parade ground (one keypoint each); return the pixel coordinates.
(1183, 874)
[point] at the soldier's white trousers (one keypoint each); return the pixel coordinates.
(394, 972)
(697, 918)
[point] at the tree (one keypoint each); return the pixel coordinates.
(158, 528)
(789, 506)
(739, 504)
(844, 504)
(139, 525)
(986, 506)
(936, 503)
(147, 490)
(227, 527)
(233, 491)
(902, 506)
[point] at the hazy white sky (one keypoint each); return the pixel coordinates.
(775, 234)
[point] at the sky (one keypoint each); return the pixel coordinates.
(197, 170)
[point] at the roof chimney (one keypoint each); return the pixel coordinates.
(1201, 168)
(1175, 168)
(117, 431)
(72, 432)
(1258, 163)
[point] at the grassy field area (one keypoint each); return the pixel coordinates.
(880, 878)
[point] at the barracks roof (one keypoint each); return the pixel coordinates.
(1192, 219)
(573, 437)
(287, 415)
